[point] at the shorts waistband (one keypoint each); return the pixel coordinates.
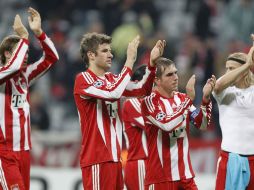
(225, 154)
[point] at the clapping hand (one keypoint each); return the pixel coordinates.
(157, 51)
(34, 20)
(19, 28)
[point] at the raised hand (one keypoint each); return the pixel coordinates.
(190, 87)
(157, 51)
(19, 28)
(34, 20)
(208, 88)
(250, 58)
(132, 51)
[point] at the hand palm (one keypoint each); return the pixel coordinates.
(35, 23)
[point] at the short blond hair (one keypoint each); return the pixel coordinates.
(8, 44)
(241, 58)
(238, 57)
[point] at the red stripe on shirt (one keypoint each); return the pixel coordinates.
(181, 166)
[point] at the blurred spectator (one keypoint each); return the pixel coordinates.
(239, 20)
(39, 115)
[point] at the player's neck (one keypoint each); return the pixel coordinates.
(97, 71)
(242, 84)
(165, 93)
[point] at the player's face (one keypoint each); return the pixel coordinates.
(231, 65)
(103, 59)
(168, 82)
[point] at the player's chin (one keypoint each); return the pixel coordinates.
(176, 88)
(109, 64)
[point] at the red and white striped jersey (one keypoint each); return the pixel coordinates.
(133, 129)
(15, 80)
(98, 103)
(167, 126)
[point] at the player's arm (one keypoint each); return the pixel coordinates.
(86, 87)
(18, 54)
(201, 117)
(166, 122)
(144, 87)
(230, 77)
(50, 55)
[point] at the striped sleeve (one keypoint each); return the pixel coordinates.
(15, 62)
(201, 117)
(143, 87)
(153, 114)
(49, 57)
(86, 86)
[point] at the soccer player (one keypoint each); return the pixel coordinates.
(167, 114)
(234, 93)
(97, 93)
(135, 138)
(16, 76)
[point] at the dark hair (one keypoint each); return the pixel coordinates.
(8, 44)
(161, 64)
(91, 42)
(139, 73)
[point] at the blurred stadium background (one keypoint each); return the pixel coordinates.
(199, 34)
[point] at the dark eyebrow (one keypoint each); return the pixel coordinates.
(105, 50)
(171, 73)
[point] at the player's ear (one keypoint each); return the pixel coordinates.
(7, 54)
(90, 55)
(156, 81)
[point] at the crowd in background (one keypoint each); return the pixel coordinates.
(199, 34)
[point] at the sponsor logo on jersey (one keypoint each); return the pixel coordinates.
(18, 100)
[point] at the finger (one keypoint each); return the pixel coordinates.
(137, 41)
(160, 44)
(32, 10)
(212, 83)
(30, 19)
(134, 41)
(17, 18)
(252, 37)
(136, 38)
(164, 43)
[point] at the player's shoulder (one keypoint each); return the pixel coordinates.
(83, 80)
(136, 102)
(151, 99)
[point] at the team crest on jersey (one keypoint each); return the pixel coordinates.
(160, 116)
(98, 83)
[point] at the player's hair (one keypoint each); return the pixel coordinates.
(91, 42)
(139, 73)
(238, 57)
(161, 64)
(241, 58)
(8, 44)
